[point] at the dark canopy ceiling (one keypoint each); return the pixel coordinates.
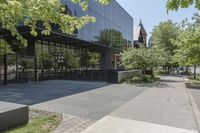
(56, 37)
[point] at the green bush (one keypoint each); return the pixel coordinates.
(194, 81)
(142, 79)
(185, 73)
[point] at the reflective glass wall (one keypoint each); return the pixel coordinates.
(58, 60)
(113, 26)
(20, 68)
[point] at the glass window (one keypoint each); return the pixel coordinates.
(111, 16)
(38, 55)
(45, 60)
(3, 48)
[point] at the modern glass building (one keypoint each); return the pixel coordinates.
(86, 55)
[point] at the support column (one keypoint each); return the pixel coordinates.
(5, 69)
(107, 61)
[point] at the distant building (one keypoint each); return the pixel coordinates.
(140, 35)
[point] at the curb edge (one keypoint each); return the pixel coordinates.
(194, 109)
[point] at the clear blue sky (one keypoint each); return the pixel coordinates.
(152, 12)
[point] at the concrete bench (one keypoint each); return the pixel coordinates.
(12, 115)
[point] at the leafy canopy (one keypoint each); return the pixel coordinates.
(142, 58)
(163, 37)
(177, 4)
(47, 12)
(188, 43)
(112, 37)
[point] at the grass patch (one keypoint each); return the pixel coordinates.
(194, 81)
(142, 79)
(44, 124)
(190, 82)
(185, 73)
(161, 72)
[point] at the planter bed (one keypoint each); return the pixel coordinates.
(12, 115)
(191, 85)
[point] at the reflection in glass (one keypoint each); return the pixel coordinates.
(111, 37)
(111, 16)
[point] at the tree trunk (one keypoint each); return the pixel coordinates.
(195, 72)
(143, 71)
(187, 69)
(168, 71)
(177, 69)
(152, 73)
(165, 69)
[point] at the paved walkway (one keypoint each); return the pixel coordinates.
(81, 103)
(93, 104)
(32, 93)
(196, 95)
(157, 110)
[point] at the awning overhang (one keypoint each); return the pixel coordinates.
(56, 37)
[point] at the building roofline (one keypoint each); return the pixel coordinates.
(123, 8)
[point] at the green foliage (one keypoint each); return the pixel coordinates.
(5, 47)
(47, 12)
(185, 73)
(94, 59)
(142, 58)
(142, 79)
(72, 59)
(39, 125)
(188, 43)
(82, 59)
(160, 72)
(111, 37)
(176, 4)
(163, 37)
(191, 79)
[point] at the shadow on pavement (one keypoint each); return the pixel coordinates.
(159, 84)
(170, 81)
(32, 93)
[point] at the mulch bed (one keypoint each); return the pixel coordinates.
(191, 85)
(34, 113)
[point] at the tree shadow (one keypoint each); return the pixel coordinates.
(170, 81)
(32, 93)
(164, 82)
(158, 84)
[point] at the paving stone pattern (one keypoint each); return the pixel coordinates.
(72, 124)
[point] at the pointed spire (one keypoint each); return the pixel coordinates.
(140, 22)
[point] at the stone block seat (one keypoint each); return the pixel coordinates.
(12, 115)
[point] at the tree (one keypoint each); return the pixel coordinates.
(5, 48)
(163, 37)
(177, 4)
(188, 43)
(47, 12)
(111, 37)
(142, 58)
(90, 59)
(72, 59)
(94, 59)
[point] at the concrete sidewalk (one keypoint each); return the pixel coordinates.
(93, 104)
(157, 110)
